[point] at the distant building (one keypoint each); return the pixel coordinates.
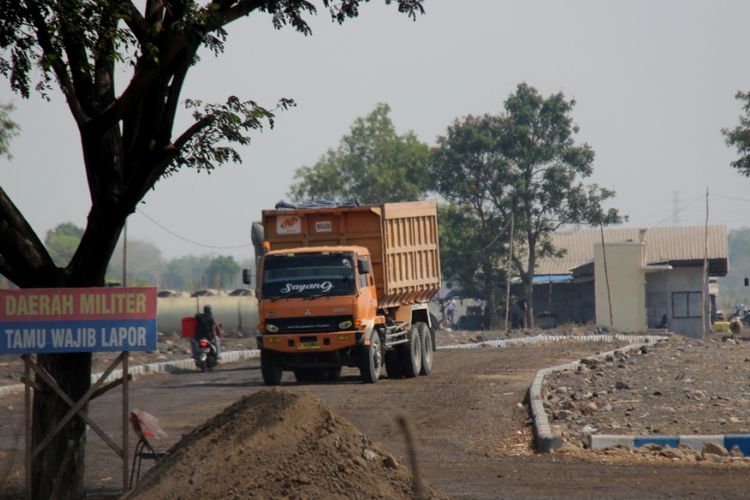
(655, 278)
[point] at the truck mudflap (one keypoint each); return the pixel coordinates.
(311, 342)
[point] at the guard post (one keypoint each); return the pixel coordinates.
(66, 320)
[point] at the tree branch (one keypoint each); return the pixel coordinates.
(137, 86)
(75, 50)
(241, 9)
(7, 270)
(191, 132)
(20, 248)
(56, 61)
(135, 21)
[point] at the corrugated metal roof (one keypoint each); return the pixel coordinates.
(663, 244)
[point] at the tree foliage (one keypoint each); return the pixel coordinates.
(144, 263)
(185, 273)
(739, 136)
(222, 272)
(372, 164)
(473, 249)
(732, 286)
(129, 142)
(524, 163)
(8, 129)
(62, 241)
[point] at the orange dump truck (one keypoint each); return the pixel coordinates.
(348, 286)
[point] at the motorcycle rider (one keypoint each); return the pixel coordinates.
(206, 328)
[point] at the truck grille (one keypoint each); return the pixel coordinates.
(310, 324)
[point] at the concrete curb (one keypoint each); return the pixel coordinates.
(696, 442)
(539, 339)
(546, 441)
(176, 366)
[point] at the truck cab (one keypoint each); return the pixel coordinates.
(347, 286)
(315, 300)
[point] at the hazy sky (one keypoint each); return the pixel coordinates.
(654, 84)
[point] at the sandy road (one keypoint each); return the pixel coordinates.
(468, 416)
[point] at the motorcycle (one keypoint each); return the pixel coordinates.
(206, 359)
(742, 313)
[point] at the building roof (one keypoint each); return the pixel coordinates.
(684, 245)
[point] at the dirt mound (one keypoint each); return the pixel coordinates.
(277, 444)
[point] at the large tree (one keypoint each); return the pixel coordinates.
(524, 163)
(470, 173)
(128, 142)
(372, 164)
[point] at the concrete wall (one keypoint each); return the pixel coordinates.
(627, 285)
(666, 294)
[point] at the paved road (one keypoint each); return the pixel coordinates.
(469, 419)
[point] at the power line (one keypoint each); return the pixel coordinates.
(188, 240)
(499, 233)
(675, 212)
(733, 198)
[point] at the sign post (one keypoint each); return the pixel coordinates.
(64, 320)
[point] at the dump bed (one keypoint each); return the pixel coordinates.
(402, 239)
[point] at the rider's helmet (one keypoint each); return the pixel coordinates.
(207, 308)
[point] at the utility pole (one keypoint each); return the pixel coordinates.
(125, 255)
(507, 277)
(606, 276)
(704, 289)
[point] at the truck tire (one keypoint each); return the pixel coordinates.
(333, 373)
(271, 368)
(425, 341)
(393, 364)
(371, 359)
(410, 354)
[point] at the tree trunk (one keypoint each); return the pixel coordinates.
(492, 317)
(528, 293)
(58, 469)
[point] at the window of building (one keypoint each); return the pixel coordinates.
(686, 305)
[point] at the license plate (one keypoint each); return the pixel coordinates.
(308, 345)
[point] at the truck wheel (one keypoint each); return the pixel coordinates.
(410, 354)
(425, 340)
(371, 359)
(271, 368)
(393, 364)
(333, 373)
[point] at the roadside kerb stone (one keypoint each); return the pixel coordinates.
(696, 442)
(539, 339)
(546, 440)
(176, 366)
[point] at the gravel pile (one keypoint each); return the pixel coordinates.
(676, 387)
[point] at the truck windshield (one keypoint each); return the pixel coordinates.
(308, 275)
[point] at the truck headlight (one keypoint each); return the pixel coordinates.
(345, 325)
(270, 328)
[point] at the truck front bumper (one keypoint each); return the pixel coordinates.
(309, 342)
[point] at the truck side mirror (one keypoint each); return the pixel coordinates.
(747, 281)
(364, 266)
(247, 276)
